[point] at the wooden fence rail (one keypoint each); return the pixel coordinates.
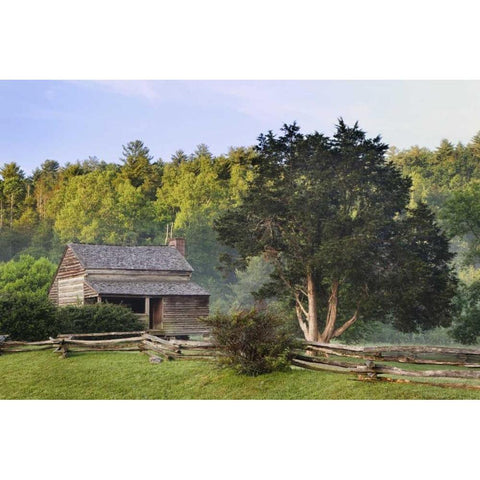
(320, 356)
(156, 347)
(362, 361)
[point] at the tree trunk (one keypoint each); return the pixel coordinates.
(312, 309)
(329, 329)
(11, 211)
(308, 316)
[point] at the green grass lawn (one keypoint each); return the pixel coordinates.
(122, 375)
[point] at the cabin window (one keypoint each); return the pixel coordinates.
(135, 303)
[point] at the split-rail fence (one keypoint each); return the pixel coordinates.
(156, 347)
(447, 362)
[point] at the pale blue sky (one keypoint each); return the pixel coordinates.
(68, 120)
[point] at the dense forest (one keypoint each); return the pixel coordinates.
(132, 202)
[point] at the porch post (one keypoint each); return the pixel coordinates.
(147, 311)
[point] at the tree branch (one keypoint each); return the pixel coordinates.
(301, 321)
(347, 324)
(300, 305)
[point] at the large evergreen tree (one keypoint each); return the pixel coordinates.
(331, 215)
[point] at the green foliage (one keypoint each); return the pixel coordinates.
(420, 291)
(27, 316)
(466, 329)
(12, 192)
(461, 217)
(138, 169)
(101, 207)
(334, 210)
(26, 275)
(195, 190)
(252, 342)
(97, 318)
(130, 204)
(31, 316)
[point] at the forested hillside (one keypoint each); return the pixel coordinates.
(132, 202)
(125, 203)
(448, 180)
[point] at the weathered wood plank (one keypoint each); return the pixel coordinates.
(165, 343)
(383, 369)
(319, 366)
(70, 341)
(100, 334)
(16, 343)
(393, 348)
(159, 349)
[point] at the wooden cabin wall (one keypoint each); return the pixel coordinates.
(88, 291)
(180, 314)
(67, 288)
(70, 291)
(53, 293)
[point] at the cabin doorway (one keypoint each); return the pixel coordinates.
(156, 310)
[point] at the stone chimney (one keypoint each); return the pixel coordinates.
(179, 244)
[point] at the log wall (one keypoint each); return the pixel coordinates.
(67, 287)
(88, 291)
(70, 291)
(181, 313)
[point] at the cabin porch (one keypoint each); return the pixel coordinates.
(166, 315)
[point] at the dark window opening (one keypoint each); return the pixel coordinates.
(136, 304)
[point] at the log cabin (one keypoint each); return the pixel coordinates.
(154, 281)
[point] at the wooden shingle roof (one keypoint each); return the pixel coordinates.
(112, 257)
(149, 289)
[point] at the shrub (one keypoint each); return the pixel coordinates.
(28, 317)
(466, 328)
(100, 317)
(252, 342)
(26, 274)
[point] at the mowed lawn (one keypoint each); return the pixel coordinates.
(125, 375)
